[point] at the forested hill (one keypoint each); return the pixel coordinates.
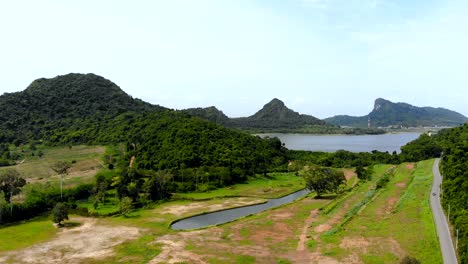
(50, 103)
(88, 109)
(273, 115)
(386, 113)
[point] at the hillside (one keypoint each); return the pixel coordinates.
(88, 109)
(50, 103)
(386, 113)
(275, 114)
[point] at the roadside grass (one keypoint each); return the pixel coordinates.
(410, 230)
(26, 234)
(273, 186)
(86, 158)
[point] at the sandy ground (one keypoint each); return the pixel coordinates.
(75, 245)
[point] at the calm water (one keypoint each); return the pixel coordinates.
(225, 216)
(331, 143)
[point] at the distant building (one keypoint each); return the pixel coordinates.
(368, 122)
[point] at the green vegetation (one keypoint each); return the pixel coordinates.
(386, 113)
(275, 117)
(340, 158)
(396, 216)
(59, 213)
(274, 185)
(323, 180)
(86, 159)
(26, 234)
(453, 143)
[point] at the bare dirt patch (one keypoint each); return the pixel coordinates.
(303, 237)
(410, 166)
(400, 184)
(76, 245)
(322, 228)
(179, 210)
(349, 174)
(173, 247)
(379, 244)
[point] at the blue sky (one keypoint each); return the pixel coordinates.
(321, 57)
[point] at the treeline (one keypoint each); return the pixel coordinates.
(41, 199)
(455, 185)
(341, 158)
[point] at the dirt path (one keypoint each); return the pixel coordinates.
(75, 245)
(303, 237)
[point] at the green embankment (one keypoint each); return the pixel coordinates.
(396, 222)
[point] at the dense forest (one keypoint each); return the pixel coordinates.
(386, 113)
(50, 103)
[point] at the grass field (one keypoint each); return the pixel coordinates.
(27, 234)
(395, 223)
(363, 225)
(273, 186)
(87, 160)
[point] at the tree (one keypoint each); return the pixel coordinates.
(59, 213)
(125, 205)
(321, 179)
(11, 183)
(101, 187)
(158, 185)
(363, 173)
(61, 168)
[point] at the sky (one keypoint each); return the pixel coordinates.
(321, 57)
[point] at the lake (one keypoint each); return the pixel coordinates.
(353, 143)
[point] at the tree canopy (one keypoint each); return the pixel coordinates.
(11, 183)
(322, 179)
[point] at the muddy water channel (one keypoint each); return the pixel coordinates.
(221, 217)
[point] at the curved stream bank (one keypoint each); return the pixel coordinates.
(228, 215)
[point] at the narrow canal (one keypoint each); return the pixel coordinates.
(221, 217)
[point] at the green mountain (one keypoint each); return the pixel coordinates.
(88, 109)
(50, 103)
(387, 113)
(274, 115)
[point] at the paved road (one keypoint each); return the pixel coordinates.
(446, 244)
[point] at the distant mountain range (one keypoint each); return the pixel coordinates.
(273, 115)
(387, 113)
